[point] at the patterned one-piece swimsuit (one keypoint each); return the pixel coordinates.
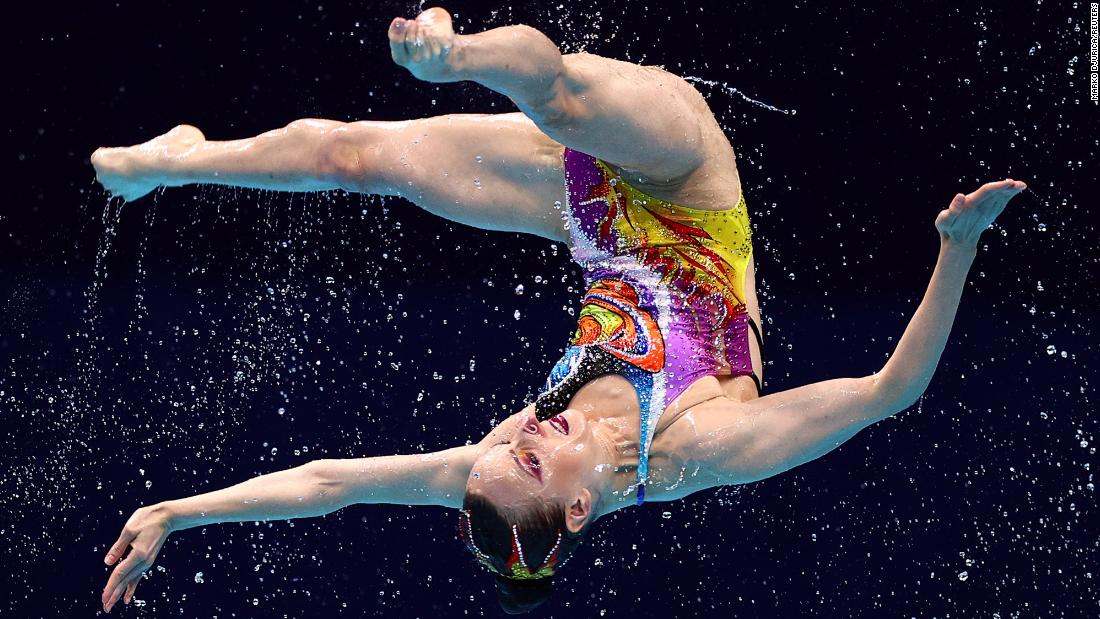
(665, 300)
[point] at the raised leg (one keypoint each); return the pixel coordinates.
(497, 172)
(650, 124)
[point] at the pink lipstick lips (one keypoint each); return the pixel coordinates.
(559, 423)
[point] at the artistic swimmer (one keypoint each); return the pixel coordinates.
(658, 393)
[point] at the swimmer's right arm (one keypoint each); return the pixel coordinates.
(313, 489)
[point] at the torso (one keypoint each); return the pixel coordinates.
(672, 474)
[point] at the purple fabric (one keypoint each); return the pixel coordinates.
(694, 345)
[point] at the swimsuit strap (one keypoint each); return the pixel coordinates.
(760, 343)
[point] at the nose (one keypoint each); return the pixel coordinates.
(531, 425)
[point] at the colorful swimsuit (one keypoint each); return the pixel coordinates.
(665, 304)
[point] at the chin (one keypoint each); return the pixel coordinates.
(578, 423)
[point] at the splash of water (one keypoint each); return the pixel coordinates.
(734, 91)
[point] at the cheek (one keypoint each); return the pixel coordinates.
(571, 457)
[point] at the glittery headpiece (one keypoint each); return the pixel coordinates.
(516, 566)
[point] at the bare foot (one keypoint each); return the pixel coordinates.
(423, 45)
(134, 171)
(968, 216)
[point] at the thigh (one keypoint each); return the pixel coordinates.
(491, 171)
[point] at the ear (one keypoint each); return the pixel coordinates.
(579, 512)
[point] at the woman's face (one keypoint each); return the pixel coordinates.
(555, 460)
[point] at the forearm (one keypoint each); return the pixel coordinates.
(517, 61)
(299, 492)
(909, 370)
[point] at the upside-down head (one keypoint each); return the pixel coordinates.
(530, 501)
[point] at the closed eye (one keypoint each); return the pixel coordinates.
(527, 470)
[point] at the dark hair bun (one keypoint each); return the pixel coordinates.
(521, 596)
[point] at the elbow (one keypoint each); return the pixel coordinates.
(892, 397)
(323, 485)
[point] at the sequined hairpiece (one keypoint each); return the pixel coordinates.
(516, 567)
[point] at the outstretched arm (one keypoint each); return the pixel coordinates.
(640, 118)
(313, 489)
(777, 432)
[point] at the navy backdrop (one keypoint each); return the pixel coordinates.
(188, 342)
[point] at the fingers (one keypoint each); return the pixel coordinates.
(996, 189)
(119, 547)
(1007, 183)
(133, 564)
(130, 589)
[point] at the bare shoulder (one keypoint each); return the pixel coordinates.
(679, 461)
(700, 448)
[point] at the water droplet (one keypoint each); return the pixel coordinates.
(198, 578)
(963, 575)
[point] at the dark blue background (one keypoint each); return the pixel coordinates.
(146, 359)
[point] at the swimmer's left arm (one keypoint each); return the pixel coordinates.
(324, 486)
(312, 489)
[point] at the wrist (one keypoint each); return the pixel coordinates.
(958, 247)
(170, 514)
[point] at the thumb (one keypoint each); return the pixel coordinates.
(119, 547)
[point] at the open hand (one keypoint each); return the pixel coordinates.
(967, 216)
(144, 533)
(423, 45)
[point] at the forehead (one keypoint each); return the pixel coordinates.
(494, 463)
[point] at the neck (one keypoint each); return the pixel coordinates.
(615, 482)
(611, 405)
